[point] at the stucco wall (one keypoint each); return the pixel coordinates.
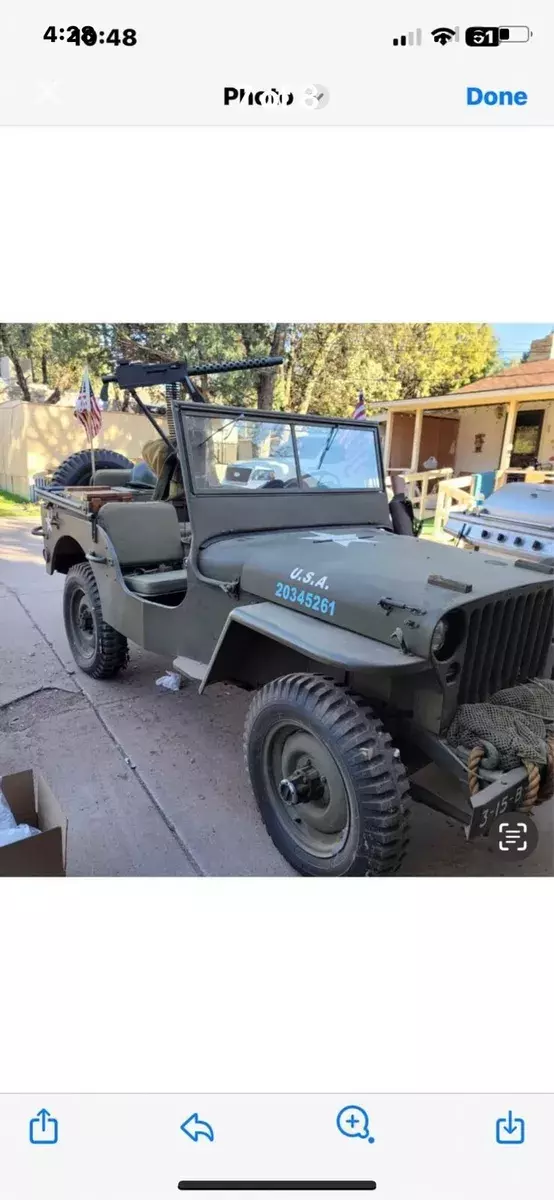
(34, 438)
(12, 452)
(472, 422)
(486, 420)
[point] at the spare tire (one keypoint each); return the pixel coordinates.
(77, 469)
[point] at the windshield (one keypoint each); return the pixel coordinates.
(253, 454)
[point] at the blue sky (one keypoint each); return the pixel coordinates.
(514, 339)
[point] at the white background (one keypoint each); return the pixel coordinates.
(286, 984)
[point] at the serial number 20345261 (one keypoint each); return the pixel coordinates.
(309, 600)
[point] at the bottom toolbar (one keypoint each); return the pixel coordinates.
(431, 1147)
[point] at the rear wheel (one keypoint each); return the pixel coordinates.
(330, 787)
(77, 469)
(98, 649)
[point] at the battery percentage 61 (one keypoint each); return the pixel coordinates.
(496, 35)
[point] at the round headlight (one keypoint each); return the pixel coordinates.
(448, 635)
(439, 637)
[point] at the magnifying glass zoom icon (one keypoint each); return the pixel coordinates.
(353, 1122)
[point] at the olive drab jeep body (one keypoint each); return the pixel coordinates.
(363, 648)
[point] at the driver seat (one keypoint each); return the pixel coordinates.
(147, 541)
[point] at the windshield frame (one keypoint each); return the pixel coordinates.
(184, 411)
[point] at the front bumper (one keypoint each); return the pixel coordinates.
(443, 785)
(503, 793)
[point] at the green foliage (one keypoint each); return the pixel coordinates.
(17, 506)
(325, 366)
(329, 364)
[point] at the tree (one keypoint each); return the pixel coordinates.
(12, 343)
(328, 364)
(325, 365)
(209, 343)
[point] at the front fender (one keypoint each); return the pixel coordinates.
(312, 638)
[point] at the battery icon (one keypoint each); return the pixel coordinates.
(495, 35)
(514, 33)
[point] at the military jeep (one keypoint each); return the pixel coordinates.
(360, 646)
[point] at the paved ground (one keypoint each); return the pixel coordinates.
(153, 782)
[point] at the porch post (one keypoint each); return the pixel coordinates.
(388, 441)
(508, 439)
(416, 444)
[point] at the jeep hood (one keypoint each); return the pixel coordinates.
(375, 583)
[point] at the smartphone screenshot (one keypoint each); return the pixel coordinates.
(276, 600)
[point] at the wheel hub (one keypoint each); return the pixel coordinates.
(307, 788)
(84, 618)
(82, 622)
(302, 785)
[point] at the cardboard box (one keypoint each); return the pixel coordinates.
(33, 803)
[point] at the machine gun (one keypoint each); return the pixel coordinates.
(132, 375)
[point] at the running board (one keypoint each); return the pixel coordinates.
(190, 667)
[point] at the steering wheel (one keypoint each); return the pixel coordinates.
(302, 485)
(326, 479)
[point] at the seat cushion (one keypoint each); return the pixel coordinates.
(112, 477)
(143, 534)
(157, 583)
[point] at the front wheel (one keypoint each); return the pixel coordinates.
(98, 649)
(329, 785)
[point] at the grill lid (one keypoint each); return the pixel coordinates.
(522, 502)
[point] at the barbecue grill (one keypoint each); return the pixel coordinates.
(517, 520)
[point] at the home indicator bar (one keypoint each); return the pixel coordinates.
(277, 1185)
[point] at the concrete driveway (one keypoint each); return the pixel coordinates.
(153, 782)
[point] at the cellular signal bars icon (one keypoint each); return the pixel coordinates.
(414, 38)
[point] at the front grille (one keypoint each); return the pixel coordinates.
(508, 642)
(238, 474)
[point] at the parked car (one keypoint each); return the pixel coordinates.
(331, 460)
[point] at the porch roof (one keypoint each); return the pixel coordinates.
(474, 398)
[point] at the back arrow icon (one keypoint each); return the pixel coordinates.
(194, 1128)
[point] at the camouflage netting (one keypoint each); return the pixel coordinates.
(513, 726)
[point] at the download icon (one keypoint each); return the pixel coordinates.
(510, 1130)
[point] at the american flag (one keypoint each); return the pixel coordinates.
(359, 413)
(87, 409)
(357, 448)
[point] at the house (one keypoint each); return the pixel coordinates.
(499, 422)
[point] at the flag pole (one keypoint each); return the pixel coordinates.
(93, 474)
(90, 429)
(89, 414)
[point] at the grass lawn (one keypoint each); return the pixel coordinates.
(17, 506)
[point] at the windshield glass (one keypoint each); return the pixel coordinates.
(250, 453)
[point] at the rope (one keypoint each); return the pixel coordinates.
(533, 786)
(473, 763)
(515, 726)
(547, 789)
(533, 792)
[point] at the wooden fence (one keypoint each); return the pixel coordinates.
(459, 492)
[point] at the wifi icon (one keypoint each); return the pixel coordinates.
(442, 35)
